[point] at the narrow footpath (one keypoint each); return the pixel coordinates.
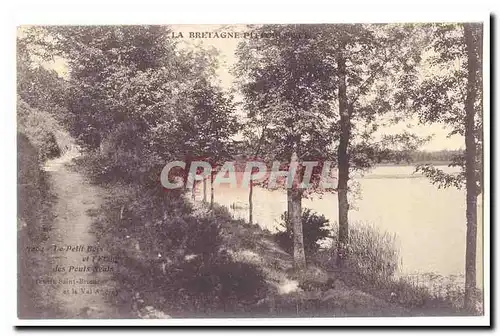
(77, 274)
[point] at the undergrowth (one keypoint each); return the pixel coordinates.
(34, 219)
(171, 258)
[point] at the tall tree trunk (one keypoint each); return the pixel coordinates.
(470, 170)
(186, 175)
(250, 188)
(193, 191)
(299, 255)
(205, 190)
(288, 222)
(211, 190)
(250, 203)
(343, 162)
(295, 204)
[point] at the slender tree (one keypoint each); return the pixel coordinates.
(372, 64)
(285, 88)
(214, 122)
(470, 165)
(250, 187)
(453, 95)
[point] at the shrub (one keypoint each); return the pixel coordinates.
(34, 214)
(222, 212)
(187, 235)
(372, 263)
(49, 148)
(371, 252)
(122, 166)
(34, 196)
(175, 259)
(315, 228)
(220, 285)
(39, 127)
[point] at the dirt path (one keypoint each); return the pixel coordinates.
(79, 288)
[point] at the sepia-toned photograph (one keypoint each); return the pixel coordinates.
(250, 171)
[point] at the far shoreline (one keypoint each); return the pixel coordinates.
(407, 164)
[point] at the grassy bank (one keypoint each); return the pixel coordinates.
(248, 276)
(34, 219)
(372, 265)
(184, 260)
(171, 257)
(181, 259)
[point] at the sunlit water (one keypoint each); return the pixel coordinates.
(429, 223)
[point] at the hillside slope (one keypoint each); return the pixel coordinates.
(312, 292)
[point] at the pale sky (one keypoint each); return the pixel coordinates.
(227, 48)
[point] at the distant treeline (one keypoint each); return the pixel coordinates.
(444, 156)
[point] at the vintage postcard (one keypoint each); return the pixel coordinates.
(251, 171)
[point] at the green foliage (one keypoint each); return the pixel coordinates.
(29, 179)
(289, 83)
(220, 285)
(440, 178)
(39, 127)
(118, 74)
(315, 229)
(268, 71)
(174, 258)
(33, 191)
(37, 93)
(453, 95)
(135, 101)
(134, 80)
(38, 86)
(40, 96)
(441, 97)
(34, 220)
(371, 252)
(49, 148)
(205, 129)
(373, 261)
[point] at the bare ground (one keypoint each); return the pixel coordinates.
(73, 292)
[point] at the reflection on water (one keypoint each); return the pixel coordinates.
(429, 222)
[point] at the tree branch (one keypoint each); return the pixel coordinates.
(367, 80)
